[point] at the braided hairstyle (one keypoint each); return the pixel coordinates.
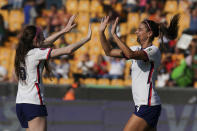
(161, 30)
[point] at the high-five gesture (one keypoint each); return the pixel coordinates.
(49, 40)
(70, 24)
(113, 29)
(104, 23)
(108, 49)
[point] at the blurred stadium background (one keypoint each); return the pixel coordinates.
(99, 98)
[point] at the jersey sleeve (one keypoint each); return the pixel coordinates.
(42, 53)
(133, 48)
(152, 53)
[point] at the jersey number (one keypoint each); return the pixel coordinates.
(22, 73)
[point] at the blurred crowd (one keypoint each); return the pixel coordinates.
(89, 65)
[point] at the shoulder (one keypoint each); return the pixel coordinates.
(32, 51)
(152, 49)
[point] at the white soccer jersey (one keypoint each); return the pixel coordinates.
(29, 89)
(143, 75)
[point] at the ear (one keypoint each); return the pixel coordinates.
(150, 33)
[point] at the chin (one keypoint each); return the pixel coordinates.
(138, 40)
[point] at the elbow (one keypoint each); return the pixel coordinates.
(46, 42)
(107, 53)
(129, 55)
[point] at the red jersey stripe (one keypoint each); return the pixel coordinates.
(39, 95)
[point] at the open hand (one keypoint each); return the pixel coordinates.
(113, 29)
(70, 24)
(89, 32)
(104, 23)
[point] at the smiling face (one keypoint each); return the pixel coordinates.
(143, 34)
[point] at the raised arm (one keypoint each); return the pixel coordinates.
(71, 48)
(128, 53)
(109, 51)
(49, 40)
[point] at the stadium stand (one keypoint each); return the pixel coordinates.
(94, 9)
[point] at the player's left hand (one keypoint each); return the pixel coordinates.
(113, 29)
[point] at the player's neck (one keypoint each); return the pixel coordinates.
(146, 44)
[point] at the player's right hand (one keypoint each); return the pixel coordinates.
(89, 32)
(113, 29)
(70, 24)
(104, 23)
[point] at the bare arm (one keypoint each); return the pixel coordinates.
(129, 54)
(49, 40)
(109, 51)
(71, 48)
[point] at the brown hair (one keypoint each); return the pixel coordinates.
(24, 46)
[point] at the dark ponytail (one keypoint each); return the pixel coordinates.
(25, 44)
(161, 30)
(26, 40)
(170, 32)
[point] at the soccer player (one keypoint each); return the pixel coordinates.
(29, 62)
(145, 62)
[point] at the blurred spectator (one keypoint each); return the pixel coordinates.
(194, 58)
(63, 2)
(168, 46)
(64, 16)
(63, 42)
(17, 4)
(46, 31)
(54, 21)
(163, 77)
(168, 62)
(183, 75)
(40, 5)
(86, 66)
(192, 30)
(156, 16)
(135, 5)
(100, 68)
(130, 5)
(108, 9)
(112, 16)
(30, 12)
(63, 68)
(152, 7)
(96, 18)
(142, 5)
(177, 56)
(2, 31)
(52, 66)
(116, 70)
(3, 74)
